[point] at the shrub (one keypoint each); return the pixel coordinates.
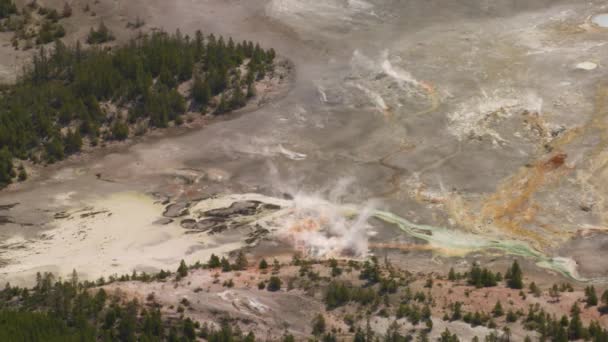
(101, 35)
(274, 284)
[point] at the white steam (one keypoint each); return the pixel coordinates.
(319, 225)
(319, 228)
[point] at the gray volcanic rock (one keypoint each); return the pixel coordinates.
(5, 220)
(257, 235)
(208, 224)
(177, 210)
(188, 224)
(245, 208)
(8, 206)
(163, 221)
(217, 229)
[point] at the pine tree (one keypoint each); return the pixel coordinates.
(6, 166)
(498, 310)
(73, 142)
(120, 130)
(223, 106)
(251, 92)
(534, 289)
(263, 264)
(575, 328)
(359, 336)
(591, 296)
(238, 98)
(515, 279)
(605, 301)
(452, 274)
(22, 174)
(182, 270)
(7, 7)
(318, 325)
(54, 149)
(200, 91)
(511, 316)
(226, 267)
(214, 261)
(241, 262)
(167, 78)
(274, 284)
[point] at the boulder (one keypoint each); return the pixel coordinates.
(177, 210)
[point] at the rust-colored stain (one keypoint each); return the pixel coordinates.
(512, 205)
(512, 209)
(556, 161)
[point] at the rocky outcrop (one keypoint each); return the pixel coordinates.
(163, 221)
(177, 210)
(245, 208)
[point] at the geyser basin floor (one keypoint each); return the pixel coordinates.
(487, 62)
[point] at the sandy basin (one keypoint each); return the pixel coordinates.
(113, 235)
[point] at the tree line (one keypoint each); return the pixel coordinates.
(56, 103)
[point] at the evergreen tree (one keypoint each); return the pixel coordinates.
(604, 298)
(214, 261)
(337, 294)
(359, 336)
(201, 93)
(452, 274)
(100, 35)
(575, 328)
(274, 284)
(515, 277)
(22, 174)
(54, 149)
(481, 277)
(534, 289)
(120, 130)
(238, 98)
(7, 7)
(167, 78)
(591, 296)
(498, 310)
(72, 142)
(241, 262)
(447, 336)
(318, 325)
(226, 267)
(182, 270)
(251, 90)
(223, 106)
(6, 166)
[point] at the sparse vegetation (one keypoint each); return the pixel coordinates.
(416, 306)
(7, 7)
(100, 35)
